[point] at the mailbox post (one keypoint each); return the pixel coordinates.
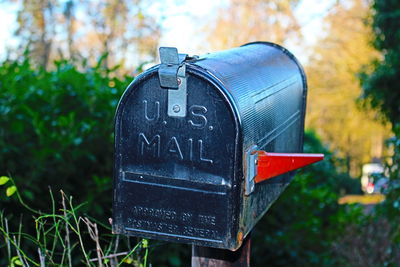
(205, 145)
(211, 257)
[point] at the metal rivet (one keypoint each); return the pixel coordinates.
(179, 81)
(176, 108)
(210, 128)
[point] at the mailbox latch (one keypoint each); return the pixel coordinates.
(172, 76)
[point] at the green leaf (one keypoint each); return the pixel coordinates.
(128, 260)
(4, 179)
(15, 261)
(11, 190)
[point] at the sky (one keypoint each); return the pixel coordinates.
(178, 26)
(8, 25)
(181, 28)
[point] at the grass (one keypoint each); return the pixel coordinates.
(64, 236)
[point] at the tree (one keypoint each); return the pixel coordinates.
(86, 30)
(352, 133)
(381, 91)
(243, 21)
(123, 29)
(381, 87)
(35, 28)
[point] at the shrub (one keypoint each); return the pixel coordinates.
(56, 130)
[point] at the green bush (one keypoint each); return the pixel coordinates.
(57, 130)
(381, 91)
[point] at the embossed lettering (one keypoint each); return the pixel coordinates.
(155, 213)
(198, 113)
(194, 231)
(190, 144)
(202, 157)
(207, 220)
(157, 147)
(186, 217)
(173, 148)
(156, 114)
(146, 146)
(153, 226)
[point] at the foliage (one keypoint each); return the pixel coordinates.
(65, 237)
(381, 85)
(78, 30)
(302, 225)
(354, 134)
(381, 91)
(57, 131)
(239, 22)
(368, 243)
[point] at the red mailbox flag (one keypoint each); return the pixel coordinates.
(273, 164)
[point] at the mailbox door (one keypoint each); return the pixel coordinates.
(175, 177)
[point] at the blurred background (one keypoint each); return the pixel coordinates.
(65, 63)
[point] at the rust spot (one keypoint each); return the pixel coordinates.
(240, 236)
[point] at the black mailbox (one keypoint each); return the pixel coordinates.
(188, 136)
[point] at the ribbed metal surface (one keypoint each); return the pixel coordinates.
(268, 88)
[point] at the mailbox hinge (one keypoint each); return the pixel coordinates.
(172, 76)
(250, 170)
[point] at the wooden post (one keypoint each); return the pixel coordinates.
(213, 257)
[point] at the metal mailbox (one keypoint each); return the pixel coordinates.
(191, 137)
